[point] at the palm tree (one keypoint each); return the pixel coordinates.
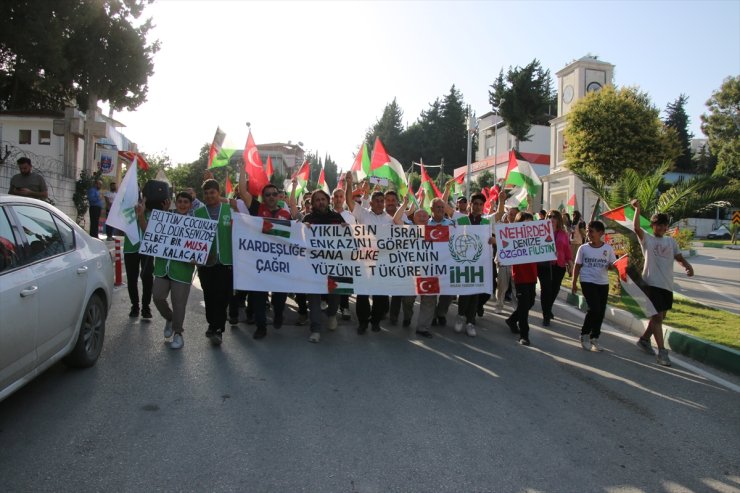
(681, 200)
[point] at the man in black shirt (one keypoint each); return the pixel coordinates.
(322, 214)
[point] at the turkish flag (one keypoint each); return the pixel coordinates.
(437, 233)
(253, 166)
(427, 285)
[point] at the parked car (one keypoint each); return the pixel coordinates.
(721, 233)
(56, 285)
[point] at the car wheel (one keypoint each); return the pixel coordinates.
(90, 340)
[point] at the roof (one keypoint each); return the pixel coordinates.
(33, 113)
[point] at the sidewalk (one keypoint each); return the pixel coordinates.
(716, 355)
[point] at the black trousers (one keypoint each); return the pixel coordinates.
(365, 314)
(596, 296)
(259, 300)
(218, 285)
(525, 294)
(139, 264)
(551, 277)
(94, 220)
(467, 305)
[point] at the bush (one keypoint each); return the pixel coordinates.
(684, 238)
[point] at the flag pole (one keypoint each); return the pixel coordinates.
(470, 153)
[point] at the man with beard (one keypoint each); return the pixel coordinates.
(321, 214)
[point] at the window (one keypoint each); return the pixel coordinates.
(9, 248)
(44, 137)
(24, 137)
(42, 232)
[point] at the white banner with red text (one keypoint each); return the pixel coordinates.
(525, 242)
(292, 257)
(178, 237)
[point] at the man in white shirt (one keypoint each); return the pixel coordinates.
(375, 215)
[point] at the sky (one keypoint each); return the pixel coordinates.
(322, 72)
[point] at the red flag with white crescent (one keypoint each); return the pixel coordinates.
(254, 168)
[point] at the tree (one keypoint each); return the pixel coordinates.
(389, 128)
(77, 51)
(722, 126)
(678, 120)
(484, 180)
(612, 129)
(524, 97)
(453, 139)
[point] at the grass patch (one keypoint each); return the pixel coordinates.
(716, 243)
(713, 325)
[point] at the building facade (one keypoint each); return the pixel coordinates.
(574, 81)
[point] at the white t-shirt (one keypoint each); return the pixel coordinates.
(659, 254)
(366, 216)
(595, 263)
(348, 217)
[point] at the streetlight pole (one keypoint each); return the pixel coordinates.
(470, 153)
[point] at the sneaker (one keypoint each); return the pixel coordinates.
(324, 305)
(209, 334)
(499, 310)
(302, 319)
(331, 323)
(314, 337)
(217, 338)
(595, 346)
(524, 342)
(361, 329)
(168, 329)
(260, 333)
(146, 313)
(512, 326)
(586, 342)
(644, 344)
(134, 311)
(459, 325)
(177, 342)
(424, 333)
(344, 314)
(663, 358)
(470, 330)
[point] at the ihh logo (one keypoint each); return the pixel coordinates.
(466, 275)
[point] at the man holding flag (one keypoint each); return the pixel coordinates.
(659, 251)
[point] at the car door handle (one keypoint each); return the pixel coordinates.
(82, 270)
(30, 291)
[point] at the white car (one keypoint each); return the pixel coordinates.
(721, 233)
(56, 286)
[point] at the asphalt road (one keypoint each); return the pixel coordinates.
(716, 280)
(379, 412)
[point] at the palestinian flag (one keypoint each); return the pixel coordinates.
(384, 166)
(521, 174)
(458, 187)
(412, 197)
(340, 285)
(322, 183)
(340, 185)
(624, 217)
(361, 166)
(130, 156)
(268, 168)
(430, 189)
(216, 145)
(302, 176)
(276, 227)
(229, 186)
(633, 296)
(518, 199)
(572, 205)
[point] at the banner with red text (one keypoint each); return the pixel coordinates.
(178, 237)
(293, 257)
(522, 243)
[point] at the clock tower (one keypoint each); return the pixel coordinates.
(577, 79)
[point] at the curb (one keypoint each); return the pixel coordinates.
(710, 353)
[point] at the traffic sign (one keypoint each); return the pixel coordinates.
(736, 217)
